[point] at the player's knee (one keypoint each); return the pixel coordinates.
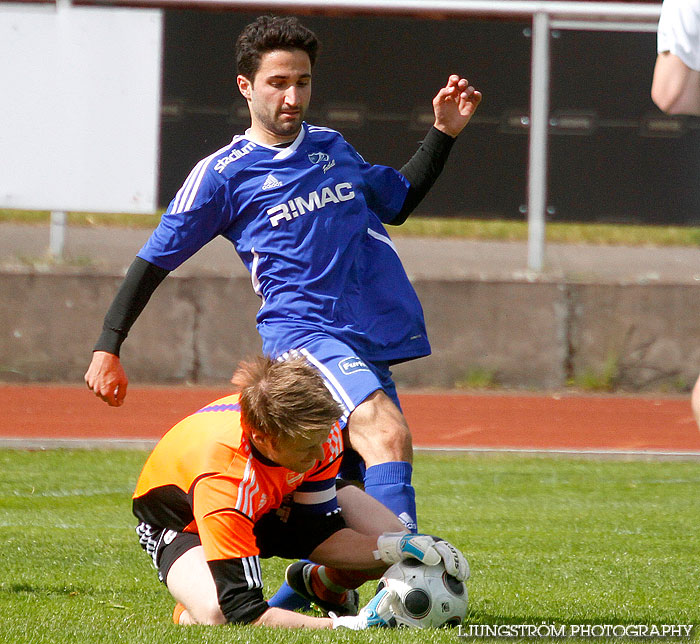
(393, 434)
(207, 614)
(379, 432)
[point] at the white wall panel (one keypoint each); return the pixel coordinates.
(79, 107)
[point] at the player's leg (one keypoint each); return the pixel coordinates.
(179, 559)
(379, 432)
(695, 401)
(352, 382)
(287, 598)
(376, 427)
(295, 534)
(190, 582)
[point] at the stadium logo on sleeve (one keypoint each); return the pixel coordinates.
(234, 155)
(352, 365)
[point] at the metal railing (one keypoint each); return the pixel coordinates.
(546, 15)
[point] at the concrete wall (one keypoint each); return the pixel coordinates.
(547, 334)
(539, 335)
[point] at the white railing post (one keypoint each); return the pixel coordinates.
(57, 235)
(539, 125)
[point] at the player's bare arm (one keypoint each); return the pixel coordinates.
(695, 401)
(350, 550)
(675, 88)
(106, 378)
(373, 556)
(454, 105)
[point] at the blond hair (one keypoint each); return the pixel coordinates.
(286, 398)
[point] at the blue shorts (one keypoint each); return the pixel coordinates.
(349, 378)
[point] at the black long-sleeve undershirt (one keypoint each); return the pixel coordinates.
(143, 278)
(423, 169)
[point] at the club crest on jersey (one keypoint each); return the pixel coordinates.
(352, 365)
(315, 201)
(322, 159)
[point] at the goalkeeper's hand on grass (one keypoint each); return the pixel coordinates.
(393, 547)
(378, 612)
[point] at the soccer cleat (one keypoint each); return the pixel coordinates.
(298, 576)
(177, 612)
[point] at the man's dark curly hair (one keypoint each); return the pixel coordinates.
(269, 33)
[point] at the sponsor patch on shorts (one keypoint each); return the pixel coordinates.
(352, 365)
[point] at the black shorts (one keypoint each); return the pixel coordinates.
(165, 546)
(278, 533)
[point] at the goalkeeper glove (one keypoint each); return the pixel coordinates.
(456, 563)
(393, 547)
(378, 612)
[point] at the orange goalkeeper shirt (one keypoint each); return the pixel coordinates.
(204, 476)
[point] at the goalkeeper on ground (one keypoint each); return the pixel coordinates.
(254, 475)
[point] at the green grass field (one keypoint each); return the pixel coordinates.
(557, 541)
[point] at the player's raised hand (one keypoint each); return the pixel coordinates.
(106, 378)
(454, 105)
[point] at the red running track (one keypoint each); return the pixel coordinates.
(441, 420)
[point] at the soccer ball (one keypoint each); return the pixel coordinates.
(428, 596)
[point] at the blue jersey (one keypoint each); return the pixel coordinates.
(307, 222)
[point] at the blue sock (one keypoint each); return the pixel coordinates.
(390, 484)
(285, 597)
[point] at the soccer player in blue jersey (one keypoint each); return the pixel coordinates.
(306, 214)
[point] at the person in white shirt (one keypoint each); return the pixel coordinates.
(675, 86)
